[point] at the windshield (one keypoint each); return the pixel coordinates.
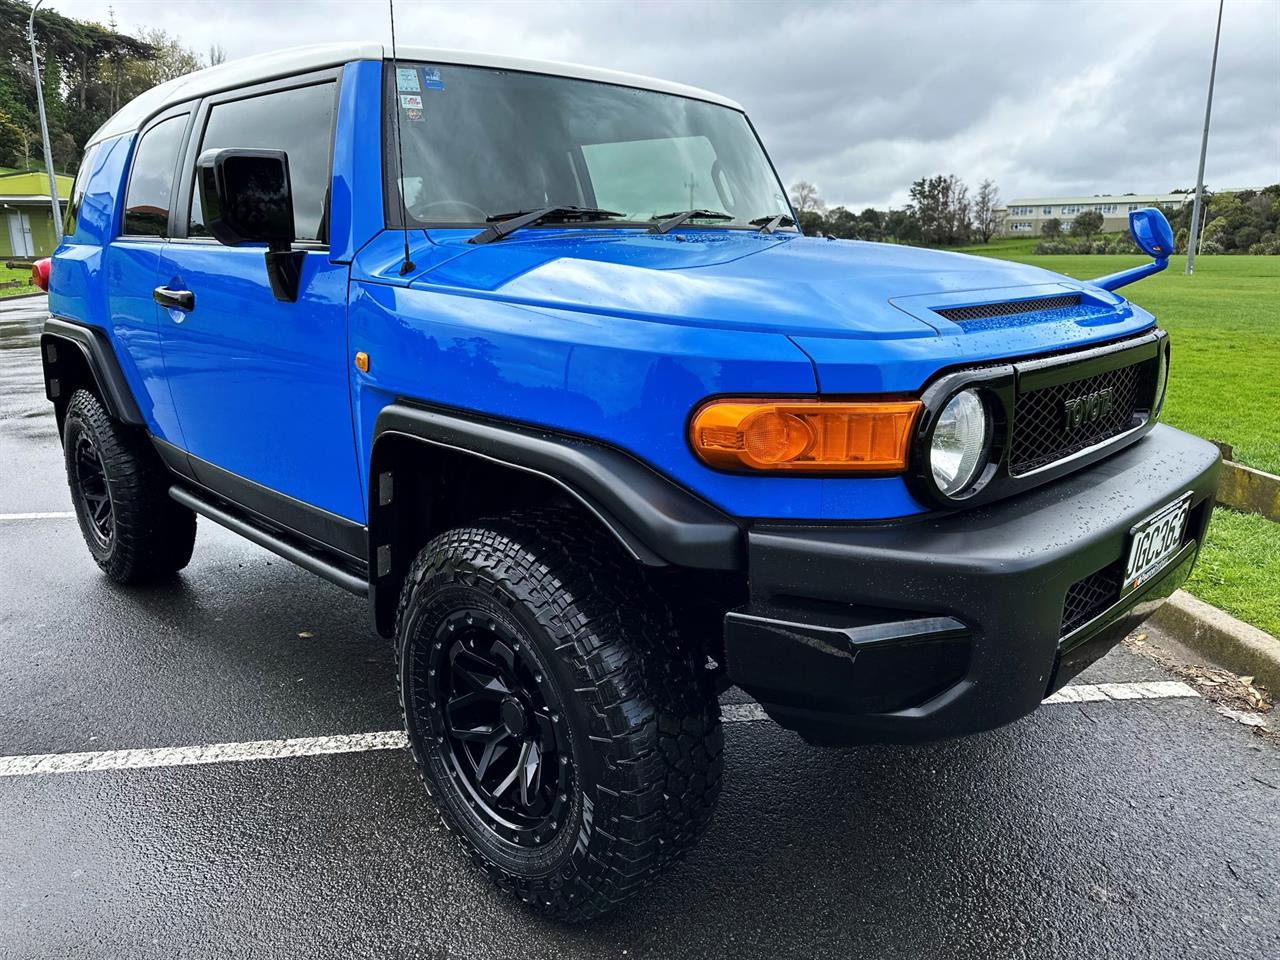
(480, 143)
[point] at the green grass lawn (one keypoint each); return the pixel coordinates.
(1224, 378)
(1239, 568)
(7, 274)
(1224, 384)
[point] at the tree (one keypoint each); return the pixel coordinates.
(1216, 231)
(217, 55)
(172, 60)
(987, 215)
(1245, 237)
(77, 58)
(841, 223)
(960, 216)
(1051, 228)
(871, 225)
(805, 199)
(901, 226)
(1086, 224)
(941, 206)
(808, 206)
(13, 142)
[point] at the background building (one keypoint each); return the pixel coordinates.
(26, 221)
(1025, 216)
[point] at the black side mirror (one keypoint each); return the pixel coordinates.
(246, 197)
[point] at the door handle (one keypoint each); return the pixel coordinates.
(181, 299)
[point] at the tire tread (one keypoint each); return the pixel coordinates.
(154, 535)
(654, 714)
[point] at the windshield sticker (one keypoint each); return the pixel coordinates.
(407, 80)
(413, 113)
(431, 79)
(410, 101)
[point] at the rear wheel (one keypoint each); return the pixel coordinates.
(120, 492)
(566, 734)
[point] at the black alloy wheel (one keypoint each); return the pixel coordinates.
(568, 734)
(491, 708)
(119, 487)
(92, 489)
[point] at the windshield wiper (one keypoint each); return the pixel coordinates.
(770, 224)
(507, 223)
(669, 221)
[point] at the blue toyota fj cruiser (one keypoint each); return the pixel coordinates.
(535, 357)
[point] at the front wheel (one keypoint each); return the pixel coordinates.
(565, 732)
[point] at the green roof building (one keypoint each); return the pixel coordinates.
(26, 220)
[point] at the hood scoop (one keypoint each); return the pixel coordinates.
(1008, 308)
(1004, 308)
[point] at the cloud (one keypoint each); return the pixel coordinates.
(1090, 96)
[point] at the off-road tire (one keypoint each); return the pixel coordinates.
(637, 708)
(148, 536)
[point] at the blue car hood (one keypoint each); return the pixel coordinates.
(785, 284)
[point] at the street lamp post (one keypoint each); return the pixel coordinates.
(44, 124)
(1193, 237)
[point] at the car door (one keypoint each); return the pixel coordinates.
(132, 262)
(260, 385)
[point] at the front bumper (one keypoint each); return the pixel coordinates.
(960, 623)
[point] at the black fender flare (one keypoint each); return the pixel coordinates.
(658, 522)
(92, 345)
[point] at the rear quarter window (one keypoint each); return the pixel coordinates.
(77, 190)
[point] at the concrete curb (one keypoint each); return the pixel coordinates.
(1236, 645)
(1249, 490)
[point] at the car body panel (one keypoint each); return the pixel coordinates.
(261, 386)
(103, 281)
(612, 333)
(517, 353)
(356, 212)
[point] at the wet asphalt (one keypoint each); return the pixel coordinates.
(1127, 829)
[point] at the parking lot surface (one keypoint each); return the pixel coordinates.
(1113, 827)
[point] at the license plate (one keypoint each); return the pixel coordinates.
(1153, 541)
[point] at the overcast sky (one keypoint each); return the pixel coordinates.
(1046, 98)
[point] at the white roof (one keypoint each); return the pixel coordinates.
(284, 63)
(1103, 198)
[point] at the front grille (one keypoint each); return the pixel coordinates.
(1008, 308)
(1089, 597)
(1050, 424)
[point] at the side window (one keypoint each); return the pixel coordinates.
(78, 189)
(146, 205)
(297, 121)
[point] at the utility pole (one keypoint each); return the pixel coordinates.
(1193, 238)
(44, 124)
(691, 183)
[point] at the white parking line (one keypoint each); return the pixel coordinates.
(63, 515)
(742, 712)
(208, 753)
(395, 739)
(1148, 690)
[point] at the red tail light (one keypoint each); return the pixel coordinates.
(40, 274)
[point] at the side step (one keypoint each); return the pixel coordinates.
(277, 543)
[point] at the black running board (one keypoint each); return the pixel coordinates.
(277, 543)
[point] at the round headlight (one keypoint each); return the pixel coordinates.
(959, 445)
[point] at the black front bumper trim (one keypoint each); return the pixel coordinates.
(996, 576)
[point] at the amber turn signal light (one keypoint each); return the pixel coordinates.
(816, 436)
